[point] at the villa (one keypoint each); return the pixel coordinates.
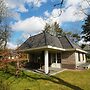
(46, 50)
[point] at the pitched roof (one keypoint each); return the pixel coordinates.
(53, 41)
(87, 47)
(34, 41)
(67, 43)
(44, 39)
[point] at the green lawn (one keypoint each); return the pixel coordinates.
(67, 80)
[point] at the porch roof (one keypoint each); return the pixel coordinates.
(48, 47)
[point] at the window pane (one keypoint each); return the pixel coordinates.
(53, 58)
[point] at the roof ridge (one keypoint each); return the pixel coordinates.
(45, 37)
(69, 41)
(72, 43)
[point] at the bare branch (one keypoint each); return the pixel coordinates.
(88, 2)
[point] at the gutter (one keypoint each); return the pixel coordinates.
(51, 47)
(76, 49)
(40, 48)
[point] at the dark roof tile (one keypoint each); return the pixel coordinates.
(44, 39)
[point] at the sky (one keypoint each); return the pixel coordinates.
(30, 17)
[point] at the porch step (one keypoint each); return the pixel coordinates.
(54, 71)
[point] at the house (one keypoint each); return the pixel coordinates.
(46, 51)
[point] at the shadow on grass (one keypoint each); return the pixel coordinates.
(53, 79)
(6, 76)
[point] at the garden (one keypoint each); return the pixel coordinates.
(29, 80)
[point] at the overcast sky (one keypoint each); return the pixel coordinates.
(30, 16)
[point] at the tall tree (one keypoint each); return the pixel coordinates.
(59, 31)
(5, 29)
(86, 29)
(47, 28)
(54, 29)
(75, 37)
(81, 9)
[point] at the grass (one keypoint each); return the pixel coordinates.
(67, 80)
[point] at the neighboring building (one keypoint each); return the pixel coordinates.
(49, 51)
(12, 55)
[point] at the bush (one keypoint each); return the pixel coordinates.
(88, 58)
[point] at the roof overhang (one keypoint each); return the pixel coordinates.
(76, 49)
(48, 47)
(55, 48)
(42, 48)
(80, 50)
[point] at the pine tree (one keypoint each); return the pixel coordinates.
(86, 29)
(54, 29)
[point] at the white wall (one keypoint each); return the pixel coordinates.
(81, 59)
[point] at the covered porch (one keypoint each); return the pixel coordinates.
(46, 59)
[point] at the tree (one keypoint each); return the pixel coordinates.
(83, 45)
(76, 37)
(73, 36)
(47, 28)
(59, 31)
(54, 29)
(3, 10)
(5, 29)
(86, 29)
(81, 9)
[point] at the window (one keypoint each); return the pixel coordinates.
(78, 56)
(53, 58)
(58, 57)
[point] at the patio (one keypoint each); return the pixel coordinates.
(52, 71)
